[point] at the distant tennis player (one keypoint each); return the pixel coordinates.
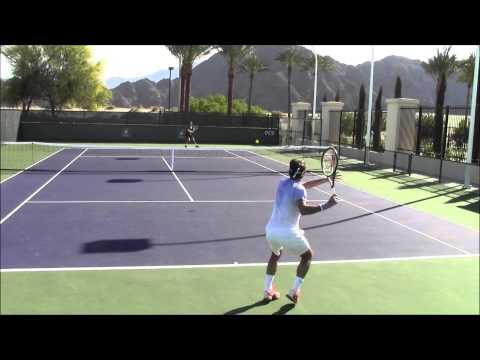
(283, 230)
(189, 138)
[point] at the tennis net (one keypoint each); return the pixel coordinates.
(36, 156)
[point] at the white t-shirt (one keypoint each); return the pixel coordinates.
(286, 214)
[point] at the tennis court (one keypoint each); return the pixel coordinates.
(131, 208)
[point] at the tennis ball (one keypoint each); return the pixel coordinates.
(257, 141)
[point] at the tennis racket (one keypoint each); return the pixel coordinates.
(329, 164)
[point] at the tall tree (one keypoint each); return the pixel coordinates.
(61, 74)
(466, 68)
(180, 52)
(233, 55)
(325, 64)
(440, 67)
(291, 57)
(251, 65)
(193, 52)
(398, 88)
(71, 78)
(476, 130)
(377, 126)
(25, 84)
(360, 118)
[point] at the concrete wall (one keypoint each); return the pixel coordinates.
(9, 121)
(451, 171)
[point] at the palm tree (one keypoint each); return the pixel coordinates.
(440, 68)
(324, 63)
(187, 54)
(291, 57)
(234, 55)
(466, 68)
(251, 65)
(179, 51)
(193, 53)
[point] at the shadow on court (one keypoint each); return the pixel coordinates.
(245, 308)
(124, 181)
(284, 309)
(116, 245)
(125, 245)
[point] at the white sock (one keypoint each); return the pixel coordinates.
(297, 283)
(268, 281)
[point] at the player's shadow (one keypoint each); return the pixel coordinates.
(245, 308)
(284, 309)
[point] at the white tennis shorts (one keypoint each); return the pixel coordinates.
(292, 240)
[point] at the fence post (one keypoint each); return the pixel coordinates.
(340, 132)
(354, 122)
(410, 156)
(304, 126)
(321, 121)
(419, 131)
(445, 131)
(443, 144)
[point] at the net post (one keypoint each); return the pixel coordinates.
(173, 158)
(394, 161)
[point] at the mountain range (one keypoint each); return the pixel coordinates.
(156, 76)
(270, 87)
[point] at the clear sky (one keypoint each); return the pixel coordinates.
(137, 60)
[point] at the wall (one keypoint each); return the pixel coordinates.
(143, 133)
(451, 171)
(9, 121)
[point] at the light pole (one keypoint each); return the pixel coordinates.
(369, 122)
(169, 86)
(314, 110)
(473, 109)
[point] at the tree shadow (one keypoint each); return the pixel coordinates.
(245, 308)
(284, 309)
(474, 207)
(124, 181)
(116, 245)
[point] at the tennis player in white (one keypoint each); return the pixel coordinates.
(283, 230)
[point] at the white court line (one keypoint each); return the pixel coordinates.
(38, 162)
(148, 201)
(122, 156)
(290, 263)
(394, 202)
(176, 177)
(369, 211)
(40, 188)
(159, 156)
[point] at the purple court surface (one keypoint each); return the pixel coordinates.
(99, 208)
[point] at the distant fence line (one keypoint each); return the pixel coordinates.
(44, 125)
